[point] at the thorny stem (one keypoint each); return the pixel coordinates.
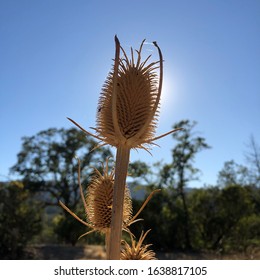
(122, 161)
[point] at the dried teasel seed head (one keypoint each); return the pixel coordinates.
(99, 198)
(137, 251)
(129, 101)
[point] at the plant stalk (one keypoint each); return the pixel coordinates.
(108, 234)
(122, 161)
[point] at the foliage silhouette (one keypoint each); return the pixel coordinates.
(222, 218)
(20, 220)
(48, 167)
(181, 170)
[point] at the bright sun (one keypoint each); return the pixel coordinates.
(168, 93)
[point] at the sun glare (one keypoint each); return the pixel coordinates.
(169, 93)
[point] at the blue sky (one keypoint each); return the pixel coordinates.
(55, 55)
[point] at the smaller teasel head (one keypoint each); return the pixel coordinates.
(98, 202)
(137, 250)
(129, 102)
(99, 198)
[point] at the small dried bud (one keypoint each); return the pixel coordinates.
(137, 251)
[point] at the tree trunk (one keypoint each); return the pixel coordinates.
(186, 212)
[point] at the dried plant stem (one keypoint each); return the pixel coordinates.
(108, 235)
(122, 161)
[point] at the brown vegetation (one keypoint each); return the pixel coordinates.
(97, 252)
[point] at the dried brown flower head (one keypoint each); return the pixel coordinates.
(137, 251)
(129, 100)
(98, 202)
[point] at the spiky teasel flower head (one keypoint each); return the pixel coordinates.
(99, 200)
(137, 251)
(128, 106)
(129, 101)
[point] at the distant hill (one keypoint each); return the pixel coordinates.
(139, 192)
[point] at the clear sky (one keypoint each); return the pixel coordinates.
(55, 55)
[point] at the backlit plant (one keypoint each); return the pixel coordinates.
(127, 115)
(98, 204)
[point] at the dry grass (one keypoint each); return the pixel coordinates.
(96, 252)
(209, 256)
(67, 252)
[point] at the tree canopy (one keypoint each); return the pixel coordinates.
(47, 163)
(221, 218)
